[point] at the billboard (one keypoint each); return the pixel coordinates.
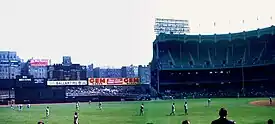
(39, 62)
(39, 80)
(67, 83)
(113, 81)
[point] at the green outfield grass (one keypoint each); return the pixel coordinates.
(155, 112)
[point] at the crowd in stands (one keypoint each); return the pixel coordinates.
(217, 90)
(220, 90)
(107, 91)
(204, 93)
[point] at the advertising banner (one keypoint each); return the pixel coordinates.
(113, 81)
(39, 80)
(39, 62)
(67, 83)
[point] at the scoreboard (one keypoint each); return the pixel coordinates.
(29, 81)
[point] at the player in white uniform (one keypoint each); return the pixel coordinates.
(173, 109)
(100, 106)
(186, 108)
(141, 111)
(47, 111)
(12, 107)
(29, 106)
(77, 106)
(20, 107)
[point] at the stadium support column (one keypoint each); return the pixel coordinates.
(157, 50)
(243, 91)
(158, 66)
(158, 80)
(180, 54)
(198, 47)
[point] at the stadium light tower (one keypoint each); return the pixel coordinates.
(171, 26)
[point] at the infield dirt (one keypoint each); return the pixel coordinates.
(262, 103)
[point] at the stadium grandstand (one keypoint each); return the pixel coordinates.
(236, 63)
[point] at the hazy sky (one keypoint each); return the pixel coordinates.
(115, 32)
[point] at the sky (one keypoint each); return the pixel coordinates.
(115, 32)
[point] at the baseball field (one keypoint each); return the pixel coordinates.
(242, 110)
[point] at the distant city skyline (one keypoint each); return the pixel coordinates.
(115, 33)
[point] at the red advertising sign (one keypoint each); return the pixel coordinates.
(113, 81)
(39, 62)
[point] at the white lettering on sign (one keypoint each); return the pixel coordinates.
(24, 79)
(66, 83)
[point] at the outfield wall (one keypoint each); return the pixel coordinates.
(40, 95)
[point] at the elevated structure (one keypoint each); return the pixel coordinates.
(171, 26)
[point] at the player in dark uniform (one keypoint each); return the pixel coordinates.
(270, 100)
(208, 101)
(223, 119)
(186, 108)
(173, 109)
(141, 112)
(76, 118)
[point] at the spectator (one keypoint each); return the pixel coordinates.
(270, 121)
(40, 122)
(186, 122)
(223, 119)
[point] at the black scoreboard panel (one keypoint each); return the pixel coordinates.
(29, 81)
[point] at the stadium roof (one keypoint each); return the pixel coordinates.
(215, 37)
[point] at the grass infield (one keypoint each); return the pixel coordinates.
(156, 112)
